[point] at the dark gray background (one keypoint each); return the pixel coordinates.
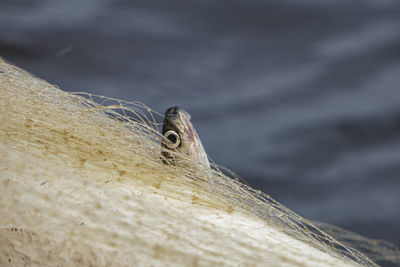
(299, 97)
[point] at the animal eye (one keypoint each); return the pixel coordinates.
(173, 139)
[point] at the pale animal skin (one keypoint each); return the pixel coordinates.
(181, 137)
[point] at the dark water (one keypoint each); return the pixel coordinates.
(300, 97)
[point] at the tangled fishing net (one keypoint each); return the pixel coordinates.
(83, 183)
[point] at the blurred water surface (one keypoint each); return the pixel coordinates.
(301, 98)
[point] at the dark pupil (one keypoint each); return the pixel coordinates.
(172, 138)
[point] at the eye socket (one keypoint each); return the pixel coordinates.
(173, 140)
